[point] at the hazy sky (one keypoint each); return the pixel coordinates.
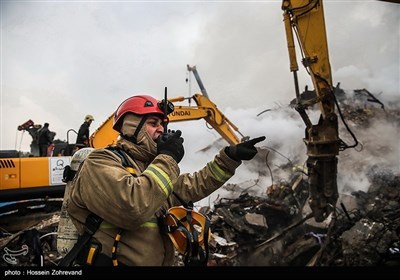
(61, 60)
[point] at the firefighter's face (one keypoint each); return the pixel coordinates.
(154, 126)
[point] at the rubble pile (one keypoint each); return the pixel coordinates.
(31, 246)
(368, 235)
(240, 224)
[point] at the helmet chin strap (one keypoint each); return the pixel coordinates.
(133, 138)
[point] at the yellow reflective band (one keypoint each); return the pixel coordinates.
(118, 237)
(105, 225)
(218, 173)
(150, 224)
(161, 178)
(89, 259)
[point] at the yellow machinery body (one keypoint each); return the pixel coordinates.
(31, 177)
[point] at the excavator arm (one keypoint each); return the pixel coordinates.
(205, 109)
(305, 20)
(208, 111)
(193, 69)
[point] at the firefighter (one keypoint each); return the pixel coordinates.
(131, 202)
(82, 139)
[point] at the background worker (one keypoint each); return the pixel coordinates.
(82, 140)
(45, 139)
(131, 204)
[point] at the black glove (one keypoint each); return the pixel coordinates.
(171, 144)
(244, 150)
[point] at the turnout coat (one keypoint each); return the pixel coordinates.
(104, 187)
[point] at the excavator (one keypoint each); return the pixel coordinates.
(304, 20)
(204, 109)
(39, 177)
(30, 176)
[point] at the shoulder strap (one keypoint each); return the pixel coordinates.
(124, 159)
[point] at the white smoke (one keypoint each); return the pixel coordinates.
(284, 149)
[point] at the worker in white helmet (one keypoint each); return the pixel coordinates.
(82, 140)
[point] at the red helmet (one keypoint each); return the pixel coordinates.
(140, 105)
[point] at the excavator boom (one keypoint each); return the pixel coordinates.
(193, 69)
(208, 111)
(305, 20)
(204, 109)
(105, 135)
